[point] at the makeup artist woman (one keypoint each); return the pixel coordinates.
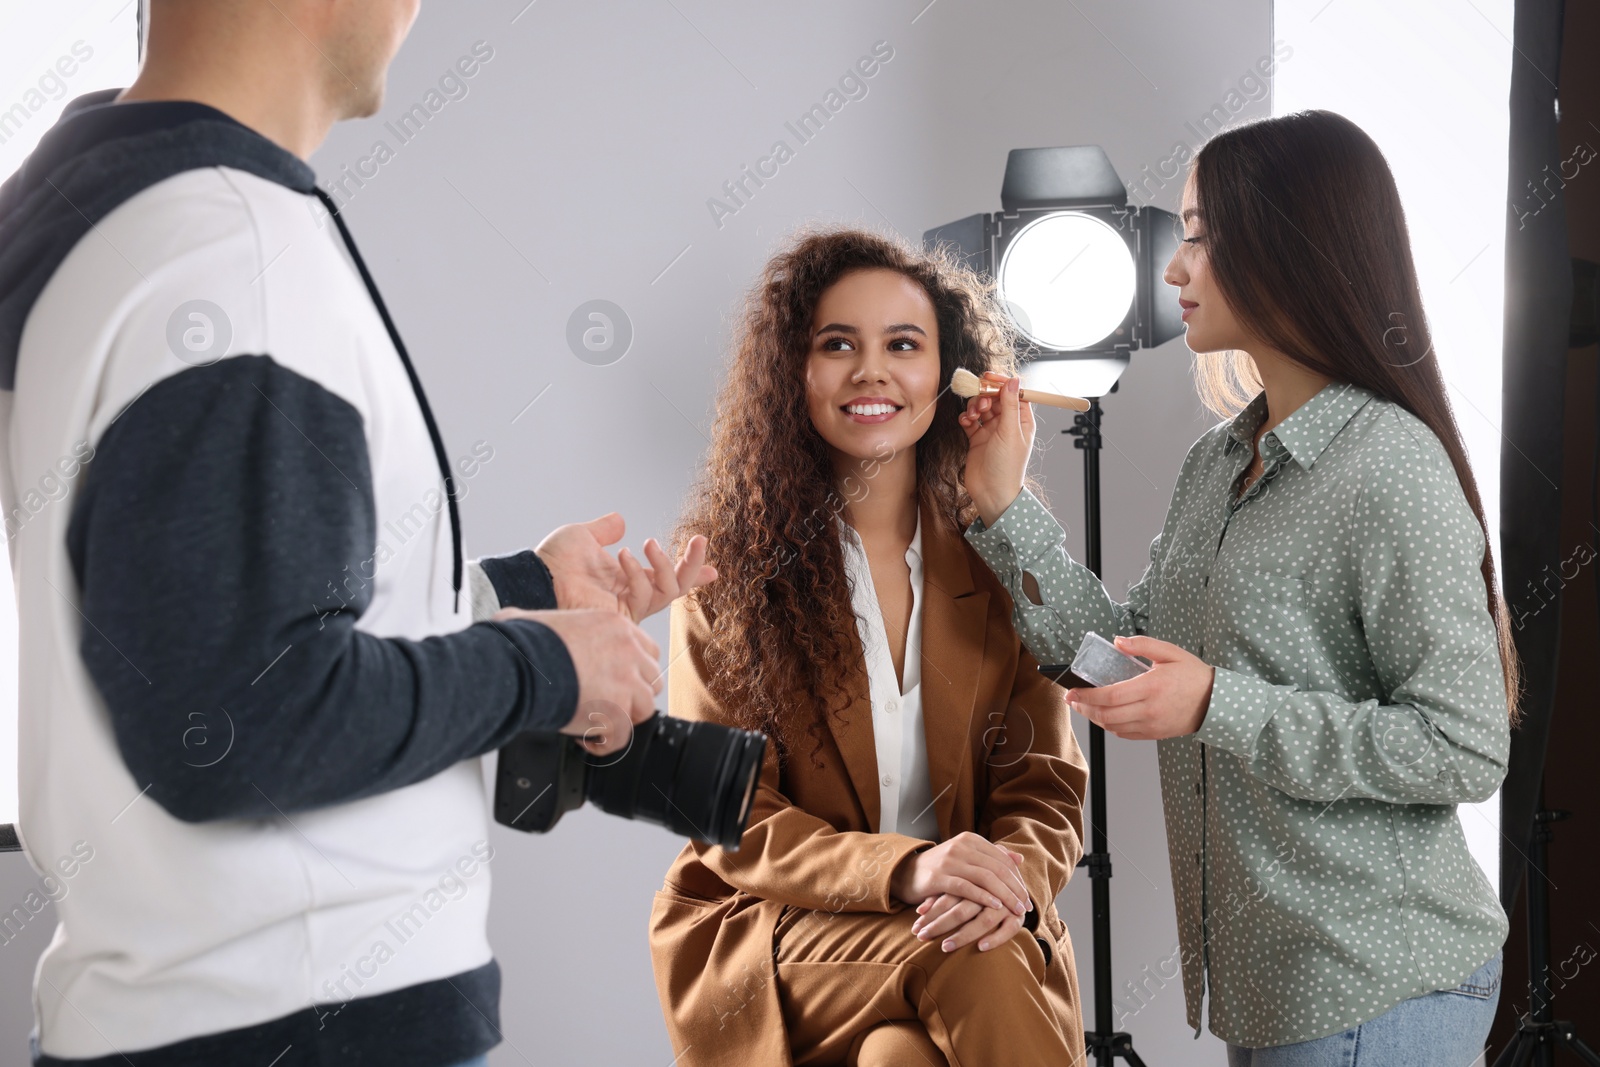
(1332, 663)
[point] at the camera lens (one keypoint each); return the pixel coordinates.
(694, 778)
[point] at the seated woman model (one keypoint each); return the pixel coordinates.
(892, 900)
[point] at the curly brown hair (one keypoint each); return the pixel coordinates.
(780, 613)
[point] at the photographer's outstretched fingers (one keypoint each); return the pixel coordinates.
(585, 575)
(601, 599)
(649, 589)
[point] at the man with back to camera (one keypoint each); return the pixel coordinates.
(255, 671)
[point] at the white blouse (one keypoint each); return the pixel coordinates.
(905, 792)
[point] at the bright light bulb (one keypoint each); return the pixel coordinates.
(1068, 280)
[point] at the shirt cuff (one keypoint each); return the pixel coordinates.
(520, 580)
(480, 592)
(1023, 532)
(1239, 709)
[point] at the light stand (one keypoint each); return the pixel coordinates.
(1104, 1044)
(1537, 1033)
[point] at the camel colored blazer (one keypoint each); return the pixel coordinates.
(1004, 763)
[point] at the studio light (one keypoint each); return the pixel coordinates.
(1069, 278)
(1078, 270)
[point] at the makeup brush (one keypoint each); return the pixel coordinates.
(965, 383)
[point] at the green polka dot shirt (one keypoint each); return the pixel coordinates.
(1319, 867)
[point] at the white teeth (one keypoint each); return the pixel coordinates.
(870, 409)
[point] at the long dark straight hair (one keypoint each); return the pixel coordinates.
(1307, 241)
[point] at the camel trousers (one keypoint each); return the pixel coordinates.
(858, 988)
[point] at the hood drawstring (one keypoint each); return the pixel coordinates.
(416, 387)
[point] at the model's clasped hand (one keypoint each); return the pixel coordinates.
(1169, 700)
(600, 600)
(965, 889)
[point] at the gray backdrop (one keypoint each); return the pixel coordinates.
(576, 164)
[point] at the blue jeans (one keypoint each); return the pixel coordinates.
(476, 1061)
(1444, 1029)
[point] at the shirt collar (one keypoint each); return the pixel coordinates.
(853, 539)
(856, 554)
(1308, 430)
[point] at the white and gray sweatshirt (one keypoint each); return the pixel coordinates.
(250, 682)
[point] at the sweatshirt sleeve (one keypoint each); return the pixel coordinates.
(218, 523)
(520, 580)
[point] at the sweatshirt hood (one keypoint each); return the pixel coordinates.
(98, 155)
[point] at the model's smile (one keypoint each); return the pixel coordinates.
(871, 409)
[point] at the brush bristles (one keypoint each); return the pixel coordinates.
(964, 383)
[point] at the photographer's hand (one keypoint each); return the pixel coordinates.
(999, 441)
(585, 575)
(618, 673)
(649, 589)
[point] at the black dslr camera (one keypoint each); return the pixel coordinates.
(694, 778)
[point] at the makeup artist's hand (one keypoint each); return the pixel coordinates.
(968, 866)
(999, 441)
(585, 575)
(1168, 700)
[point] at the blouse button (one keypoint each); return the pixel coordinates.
(891, 705)
(888, 779)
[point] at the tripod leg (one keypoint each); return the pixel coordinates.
(1518, 1052)
(1577, 1047)
(1131, 1056)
